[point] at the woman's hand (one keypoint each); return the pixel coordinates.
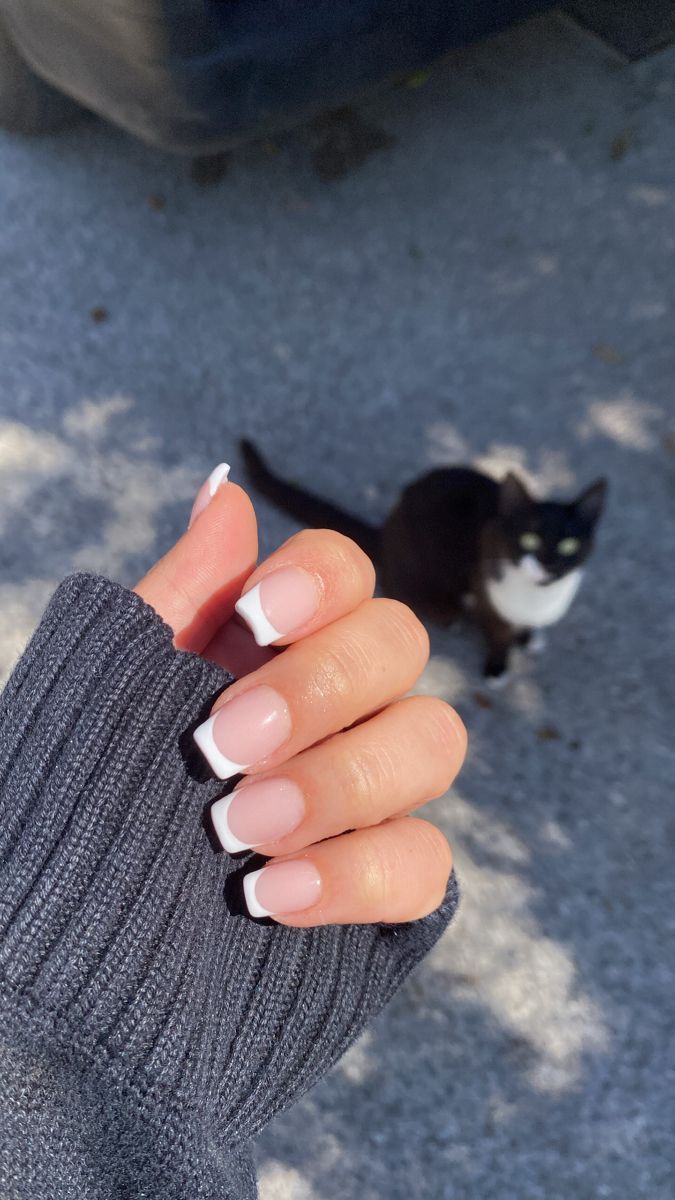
(332, 760)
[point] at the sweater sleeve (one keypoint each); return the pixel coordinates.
(150, 1027)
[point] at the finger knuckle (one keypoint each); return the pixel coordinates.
(371, 776)
(348, 557)
(325, 543)
(343, 668)
(306, 537)
(444, 739)
(342, 557)
(404, 630)
(377, 875)
(435, 854)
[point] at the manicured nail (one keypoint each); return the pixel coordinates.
(257, 813)
(244, 731)
(282, 888)
(280, 603)
(207, 491)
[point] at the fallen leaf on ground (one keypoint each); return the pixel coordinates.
(621, 145)
(416, 79)
(608, 354)
(548, 733)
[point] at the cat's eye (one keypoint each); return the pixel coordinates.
(568, 546)
(530, 541)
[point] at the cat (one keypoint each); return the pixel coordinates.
(457, 541)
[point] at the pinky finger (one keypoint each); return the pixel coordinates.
(394, 872)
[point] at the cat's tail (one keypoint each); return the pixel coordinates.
(307, 508)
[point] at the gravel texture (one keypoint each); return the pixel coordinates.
(494, 285)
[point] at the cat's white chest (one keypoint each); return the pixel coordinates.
(520, 598)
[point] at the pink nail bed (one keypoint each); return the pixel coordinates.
(244, 731)
(257, 813)
(282, 601)
(280, 888)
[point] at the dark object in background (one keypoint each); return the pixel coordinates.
(27, 103)
(345, 141)
(209, 169)
(200, 76)
(633, 27)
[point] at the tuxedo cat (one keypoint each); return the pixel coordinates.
(458, 541)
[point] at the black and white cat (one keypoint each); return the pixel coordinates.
(458, 541)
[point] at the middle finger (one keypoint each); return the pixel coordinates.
(407, 754)
(315, 688)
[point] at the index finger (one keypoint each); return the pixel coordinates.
(195, 585)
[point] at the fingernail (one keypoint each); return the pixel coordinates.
(282, 888)
(280, 603)
(244, 731)
(257, 813)
(208, 490)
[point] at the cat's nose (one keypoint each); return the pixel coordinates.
(536, 570)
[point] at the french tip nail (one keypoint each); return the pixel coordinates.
(222, 766)
(219, 474)
(249, 606)
(221, 825)
(255, 909)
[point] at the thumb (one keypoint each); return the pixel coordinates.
(195, 585)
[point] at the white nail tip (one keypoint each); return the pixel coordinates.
(250, 608)
(255, 909)
(223, 767)
(218, 475)
(221, 824)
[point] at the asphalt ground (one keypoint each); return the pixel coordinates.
(495, 285)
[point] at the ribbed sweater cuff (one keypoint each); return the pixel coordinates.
(119, 923)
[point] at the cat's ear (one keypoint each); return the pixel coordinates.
(513, 495)
(590, 503)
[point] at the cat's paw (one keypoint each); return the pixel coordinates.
(537, 642)
(497, 682)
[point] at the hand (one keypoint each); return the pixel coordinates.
(332, 760)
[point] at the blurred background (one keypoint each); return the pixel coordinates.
(473, 262)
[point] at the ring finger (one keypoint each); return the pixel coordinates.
(405, 755)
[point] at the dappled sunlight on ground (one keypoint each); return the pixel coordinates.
(502, 959)
(442, 677)
(357, 1064)
(129, 487)
(551, 473)
(625, 420)
(21, 606)
(284, 1183)
(446, 444)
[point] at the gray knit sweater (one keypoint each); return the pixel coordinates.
(149, 1027)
